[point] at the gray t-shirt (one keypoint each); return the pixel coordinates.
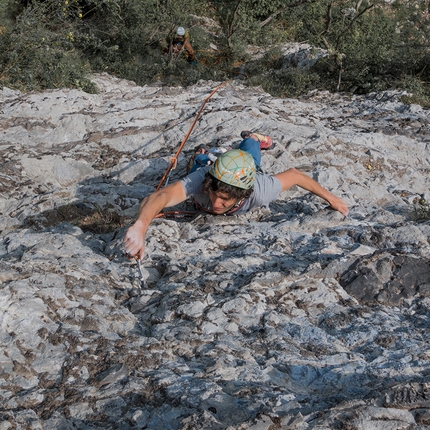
(266, 189)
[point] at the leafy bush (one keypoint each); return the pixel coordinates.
(37, 54)
(268, 73)
(57, 43)
(420, 91)
(370, 49)
(421, 210)
(287, 82)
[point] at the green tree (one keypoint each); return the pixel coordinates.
(371, 44)
(254, 21)
(38, 51)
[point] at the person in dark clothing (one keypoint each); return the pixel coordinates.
(180, 41)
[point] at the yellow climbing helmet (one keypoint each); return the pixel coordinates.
(235, 168)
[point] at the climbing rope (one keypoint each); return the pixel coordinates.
(174, 159)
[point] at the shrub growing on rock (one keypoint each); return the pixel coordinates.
(39, 50)
(371, 46)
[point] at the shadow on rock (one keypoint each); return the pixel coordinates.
(387, 278)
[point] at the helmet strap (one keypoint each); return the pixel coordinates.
(235, 208)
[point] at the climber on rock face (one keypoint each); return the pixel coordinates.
(232, 184)
(180, 41)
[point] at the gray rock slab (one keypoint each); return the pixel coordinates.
(292, 317)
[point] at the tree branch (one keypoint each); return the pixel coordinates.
(230, 25)
(328, 19)
(352, 22)
(361, 13)
(274, 14)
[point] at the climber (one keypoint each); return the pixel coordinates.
(233, 184)
(180, 41)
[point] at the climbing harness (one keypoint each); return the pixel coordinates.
(175, 50)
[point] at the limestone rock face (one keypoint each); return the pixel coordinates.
(290, 317)
(388, 278)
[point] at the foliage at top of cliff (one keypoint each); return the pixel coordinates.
(371, 45)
